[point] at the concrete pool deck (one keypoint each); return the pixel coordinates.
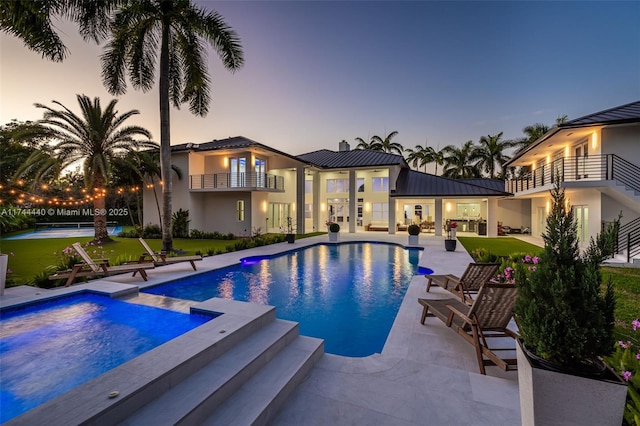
(425, 374)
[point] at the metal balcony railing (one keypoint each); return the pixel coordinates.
(247, 180)
(574, 169)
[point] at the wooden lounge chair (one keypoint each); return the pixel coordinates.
(92, 268)
(469, 283)
(488, 317)
(160, 258)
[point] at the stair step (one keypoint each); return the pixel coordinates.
(193, 399)
(258, 401)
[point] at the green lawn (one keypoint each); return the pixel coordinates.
(31, 257)
(503, 246)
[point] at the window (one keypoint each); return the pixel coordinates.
(380, 211)
(337, 185)
(360, 184)
(261, 170)
(240, 210)
(308, 187)
(308, 211)
(380, 184)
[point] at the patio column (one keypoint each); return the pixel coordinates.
(492, 217)
(438, 217)
(315, 187)
(300, 200)
(352, 201)
(392, 215)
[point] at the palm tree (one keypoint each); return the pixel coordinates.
(31, 21)
(362, 144)
(458, 161)
(420, 156)
(386, 145)
(491, 153)
(95, 138)
(533, 133)
(174, 29)
(438, 158)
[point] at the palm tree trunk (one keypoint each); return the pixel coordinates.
(165, 141)
(100, 233)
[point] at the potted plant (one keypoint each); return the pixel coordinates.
(414, 232)
(334, 231)
(290, 237)
(566, 325)
(450, 240)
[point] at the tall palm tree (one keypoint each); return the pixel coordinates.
(458, 161)
(437, 157)
(174, 30)
(31, 21)
(420, 156)
(386, 145)
(362, 144)
(532, 134)
(490, 153)
(94, 137)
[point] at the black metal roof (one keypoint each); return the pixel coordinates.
(411, 183)
(629, 113)
(236, 142)
(495, 184)
(327, 159)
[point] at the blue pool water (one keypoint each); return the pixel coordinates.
(49, 348)
(347, 294)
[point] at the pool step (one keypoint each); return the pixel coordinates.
(276, 345)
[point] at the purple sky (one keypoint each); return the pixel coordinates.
(319, 72)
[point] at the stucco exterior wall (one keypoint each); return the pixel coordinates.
(514, 212)
(623, 141)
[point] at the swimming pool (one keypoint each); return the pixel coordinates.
(347, 294)
(49, 348)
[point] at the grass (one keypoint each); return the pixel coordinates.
(626, 281)
(503, 246)
(31, 257)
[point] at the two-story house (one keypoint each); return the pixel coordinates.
(597, 160)
(238, 185)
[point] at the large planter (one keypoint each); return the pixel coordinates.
(4, 259)
(290, 238)
(333, 236)
(450, 245)
(413, 240)
(555, 398)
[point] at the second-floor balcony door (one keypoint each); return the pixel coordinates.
(238, 170)
(582, 153)
(261, 172)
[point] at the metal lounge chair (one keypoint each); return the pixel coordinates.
(469, 283)
(488, 317)
(160, 258)
(92, 268)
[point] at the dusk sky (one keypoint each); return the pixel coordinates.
(319, 72)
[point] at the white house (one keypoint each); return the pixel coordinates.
(597, 160)
(238, 185)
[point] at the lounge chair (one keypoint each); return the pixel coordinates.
(488, 317)
(469, 283)
(160, 258)
(89, 268)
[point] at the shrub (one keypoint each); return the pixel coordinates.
(413, 229)
(180, 224)
(152, 232)
(560, 311)
(136, 232)
(334, 227)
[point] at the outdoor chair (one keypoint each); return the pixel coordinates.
(469, 283)
(160, 258)
(488, 317)
(92, 268)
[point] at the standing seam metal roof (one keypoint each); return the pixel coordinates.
(411, 183)
(628, 113)
(327, 159)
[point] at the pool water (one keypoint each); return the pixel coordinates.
(49, 348)
(347, 294)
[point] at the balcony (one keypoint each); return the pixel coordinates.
(578, 169)
(237, 181)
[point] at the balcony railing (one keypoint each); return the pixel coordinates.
(247, 180)
(575, 169)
